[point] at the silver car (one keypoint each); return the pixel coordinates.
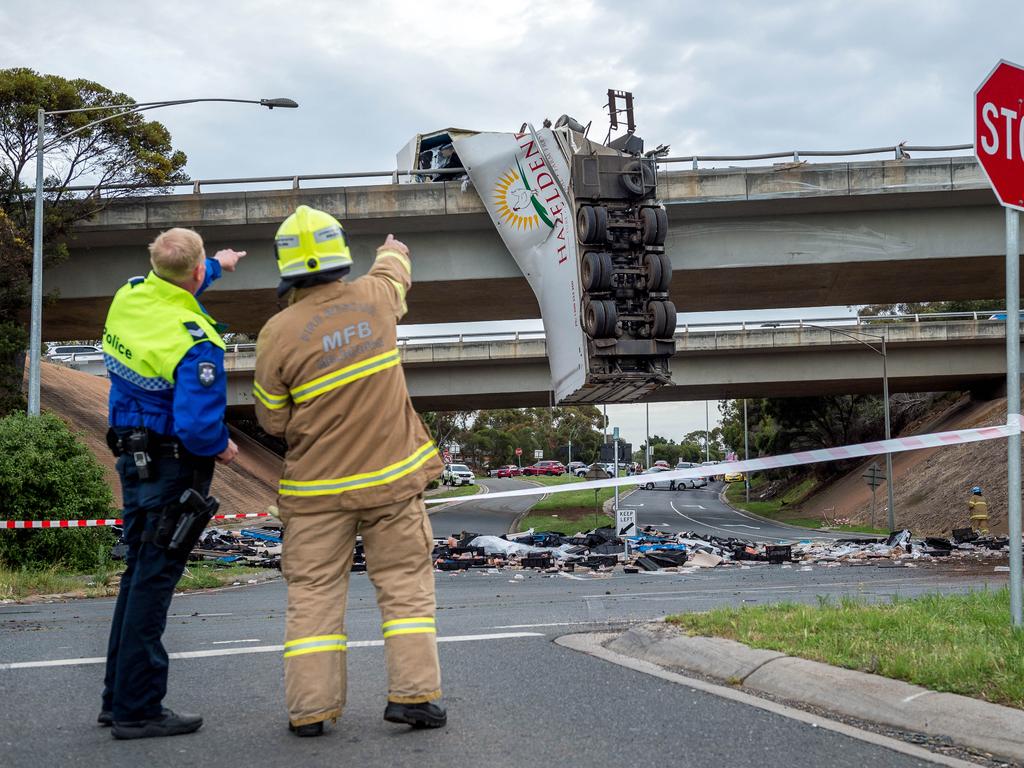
(691, 482)
(652, 484)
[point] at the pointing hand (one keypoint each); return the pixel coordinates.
(397, 245)
(228, 258)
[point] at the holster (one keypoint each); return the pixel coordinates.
(178, 526)
(136, 445)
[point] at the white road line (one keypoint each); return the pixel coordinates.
(740, 525)
(229, 642)
(708, 525)
(553, 624)
(256, 649)
(690, 506)
(574, 578)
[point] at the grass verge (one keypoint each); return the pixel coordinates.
(582, 502)
(21, 584)
(953, 643)
(460, 490)
(785, 508)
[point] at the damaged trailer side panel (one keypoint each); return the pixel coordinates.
(584, 224)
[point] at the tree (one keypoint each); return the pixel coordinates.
(127, 151)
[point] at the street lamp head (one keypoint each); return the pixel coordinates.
(284, 103)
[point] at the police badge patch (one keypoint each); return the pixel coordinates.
(207, 374)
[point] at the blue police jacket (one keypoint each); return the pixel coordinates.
(191, 407)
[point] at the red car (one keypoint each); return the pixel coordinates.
(545, 468)
(510, 470)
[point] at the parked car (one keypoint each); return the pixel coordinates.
(572, 466)
(604, 469)
(66, 352)
(652, 484)
(545, 468)
(509, 470)
(660, 463)
(457, 474)
(711, 464)
(734, 477)
(692, 482)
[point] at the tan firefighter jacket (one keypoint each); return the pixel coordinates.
(329, 381)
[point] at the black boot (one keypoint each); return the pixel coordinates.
(166, 724)
(105, 718)
(309, 729)
(426, 714)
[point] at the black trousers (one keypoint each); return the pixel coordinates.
(136, 676)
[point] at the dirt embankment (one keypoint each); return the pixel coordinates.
(932, 486)
(249, 484)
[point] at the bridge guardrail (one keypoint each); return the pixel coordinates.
(874, 323)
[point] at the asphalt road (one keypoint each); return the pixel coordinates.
(478, 515)
(701, 511)
(514, 697)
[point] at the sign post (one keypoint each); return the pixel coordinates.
(615, 439)
(874, 477)
(999, 147)
(519, 457)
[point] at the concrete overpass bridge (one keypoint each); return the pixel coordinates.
(450, 373)
(788, 235)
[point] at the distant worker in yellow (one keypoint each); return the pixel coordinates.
(979, 511)
(329, 381)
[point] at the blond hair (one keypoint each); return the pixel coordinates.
(175, 253)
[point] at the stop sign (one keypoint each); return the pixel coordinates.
(999, 132)
(519, 451)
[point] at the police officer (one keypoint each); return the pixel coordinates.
(165, 360)
(329, 380)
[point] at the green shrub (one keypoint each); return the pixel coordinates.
(47, 474)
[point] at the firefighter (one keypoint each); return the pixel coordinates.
(979, 511)
(329, 381)
(165, 361)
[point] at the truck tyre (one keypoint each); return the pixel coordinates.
(654, 268)
(611, 317)
(653, 225)
(638, 178)
(596, 271)
(592, 223)
(666, 270)
(664, 324)
(594, 319)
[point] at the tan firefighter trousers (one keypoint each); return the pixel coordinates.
(316, 561)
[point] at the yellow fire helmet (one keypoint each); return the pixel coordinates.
(310, 244)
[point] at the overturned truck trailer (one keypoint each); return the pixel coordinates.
(584, 224)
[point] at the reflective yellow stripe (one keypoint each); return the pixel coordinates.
(383, 476)
(315, 644)
(420, 625)
(401, 257)
(346, 375)
(400, 290)
(411, 631)
(273, 402)
(415, 620)
(314, 639)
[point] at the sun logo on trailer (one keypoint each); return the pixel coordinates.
(516, 203)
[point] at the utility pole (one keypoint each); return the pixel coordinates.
(746, 450)
(647, 450)
(707, 433)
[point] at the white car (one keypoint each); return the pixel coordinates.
(651, 484)
(72, 352)
(457, 474)
(692, 482)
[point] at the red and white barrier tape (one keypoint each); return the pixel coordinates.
(16, 524)
(895, 445)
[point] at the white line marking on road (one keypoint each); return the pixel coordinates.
(256, 649)
(706, 525)
(690, 506)
(574, 578)
(590, 644)
(916, 696)
(740, 525)
(229, 642)
(552, 624)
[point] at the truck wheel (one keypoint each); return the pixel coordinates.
(654, 268)
(596, 271)
(592, 223)
(611, 317)
(651, 225)
(664, 324)
(638, 178)
(666, 270)
(594, 319)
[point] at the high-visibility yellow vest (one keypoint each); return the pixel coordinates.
(150, 326)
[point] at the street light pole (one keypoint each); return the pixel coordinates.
(707, 433)
(885, 397)
(647, 451)
(36, 312)
(746, 451)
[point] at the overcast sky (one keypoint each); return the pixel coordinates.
(708, 77)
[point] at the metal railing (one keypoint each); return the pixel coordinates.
(683, 329)
(899, 151)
